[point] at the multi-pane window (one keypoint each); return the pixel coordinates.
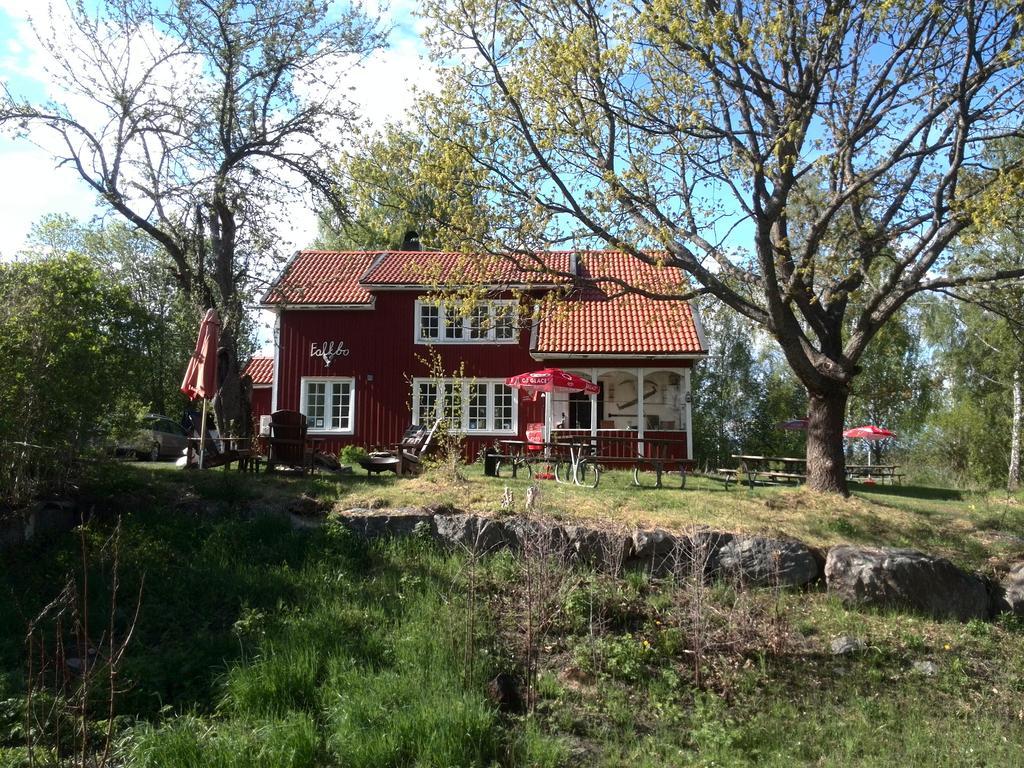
(426, 404)
(476, 407)
(486, 321)
(328, 404)
(479, 406)
(479, 321)
(453, 326)
(430, 321)
(504, 417)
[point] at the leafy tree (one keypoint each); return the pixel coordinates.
(391, 187)
(131, 259)
(69, 354)
(896, 385)
(689, 134)
(197, 121)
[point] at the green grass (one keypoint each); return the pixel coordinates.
(261, 645)
(971, 528)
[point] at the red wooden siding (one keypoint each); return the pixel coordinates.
(260, 403)
(383, 359)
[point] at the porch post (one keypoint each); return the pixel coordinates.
(593, 405)
(640, 418)
(547, 417)
(688, 405)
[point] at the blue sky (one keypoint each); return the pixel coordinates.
(34, 186)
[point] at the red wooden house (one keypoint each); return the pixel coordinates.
(260, 371)
(354, 330)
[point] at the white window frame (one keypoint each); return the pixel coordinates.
(464, 421)
(329, 381)
(444, 311)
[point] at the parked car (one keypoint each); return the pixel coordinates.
(160, 437)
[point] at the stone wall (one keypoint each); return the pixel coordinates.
(898, 579)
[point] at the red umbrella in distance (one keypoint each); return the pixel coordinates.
(869, 432)
(201, 374)
(551, 380)
(794, 425)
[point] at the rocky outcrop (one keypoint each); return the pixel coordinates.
(42, 520)
(762, 562)
(891, 578)
(1009, 593)
(906, 579)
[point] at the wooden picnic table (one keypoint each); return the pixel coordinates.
(766, 469)
(580, 459)
(875, 472)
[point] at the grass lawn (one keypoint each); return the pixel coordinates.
(260, 645)
(977, 530)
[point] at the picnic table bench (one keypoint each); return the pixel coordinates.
(580, 459)
(768, 470)
(875, 473)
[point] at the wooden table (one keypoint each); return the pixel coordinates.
(767, 469)
(875, 472)
(515, 455)
(229, 451)
(579, 459)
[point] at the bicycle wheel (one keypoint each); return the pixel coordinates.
(563, 471)
(588, 474)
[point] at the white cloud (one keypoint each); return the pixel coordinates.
(32, 188)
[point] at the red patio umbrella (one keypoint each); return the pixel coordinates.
(201, 374)
(869, 432)
(550, 380)
(794, 425)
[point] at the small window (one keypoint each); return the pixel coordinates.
(430, 327)
(328, 405)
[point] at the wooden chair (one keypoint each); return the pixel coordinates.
(287, 445)
(406, 457)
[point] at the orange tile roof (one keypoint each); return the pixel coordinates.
(593, 319)
(429, 268)
(323, 277)
(596, 320)
(260, 370)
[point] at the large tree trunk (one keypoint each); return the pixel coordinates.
(826, 465)
(1013, 481)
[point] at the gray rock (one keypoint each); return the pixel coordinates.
(605, 550)
(926, 668)
(762, 562)
(478, 534)
(396, 522)
(847, 644)
(1009, 593)
(657, 550)
(905, 578)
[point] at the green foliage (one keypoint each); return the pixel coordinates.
(351, 454)
(69, 354)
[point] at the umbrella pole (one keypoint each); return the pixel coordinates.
(202, 436)
(547, 417)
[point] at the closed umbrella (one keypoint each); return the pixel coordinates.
(551, 380)
(201, 374)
